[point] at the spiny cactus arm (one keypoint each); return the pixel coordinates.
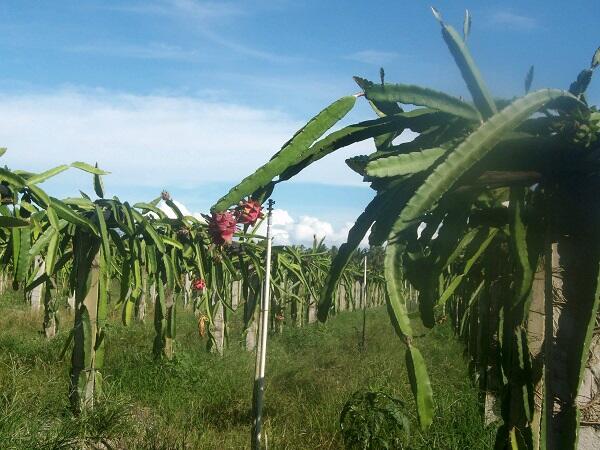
(39, 196)
(580, 85)
(53, 218)
(130, 225)
(291, 153)
(103, 284)
(149, 230)
(44, 278)
(420, 96)
(41, 177)
(529, 79)
(442, 259)
(66, 213)
(518, 242)
(420, 385)
(12, 222)
(152, 208)
(169, 271)
(393, 277)
(481, 242)
(467, 25)
(405, 164)
(415, 365)
(474, 298)
(415, 120)
(52, 253)
(172, 242)
(171, 204)
(83, 202)
(98, 184)
(117, 239)
(94, 170)
(12, 178)
(42, 241)
(381, 108)
(398, 191)
(472, 150)
(106, 253)
(482, 98)
(434, 128)
(21, 242)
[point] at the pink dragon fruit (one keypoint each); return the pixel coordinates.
(221, 227)
(248, 212)
(199, 284)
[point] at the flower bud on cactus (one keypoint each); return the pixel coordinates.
(248, 212)
(221, 227)
(165, 196)
(199, 284)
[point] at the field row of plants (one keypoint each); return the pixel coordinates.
(95, 255)
(492, 214)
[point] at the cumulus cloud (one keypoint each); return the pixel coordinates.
(288, 230)
(152, 140)
(142, 140)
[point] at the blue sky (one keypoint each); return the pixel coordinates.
(193, 95)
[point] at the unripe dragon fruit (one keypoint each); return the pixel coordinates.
(248, 212)
(221, 227)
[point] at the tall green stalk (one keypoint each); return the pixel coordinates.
(88, 330)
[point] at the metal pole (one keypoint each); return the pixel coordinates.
(261, 353)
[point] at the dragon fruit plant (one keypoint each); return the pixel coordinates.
(505, 190)
(221, 227)
(199, 284)
(249, 212)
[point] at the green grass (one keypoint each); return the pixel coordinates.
(202, 401)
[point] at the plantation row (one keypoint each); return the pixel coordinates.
(492, 214)
(96, 255)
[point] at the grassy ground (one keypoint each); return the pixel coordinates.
(201, 401)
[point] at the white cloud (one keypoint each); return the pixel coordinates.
(281, 218)
(142, 140)
(308, 227)
(153, 140)
(513, 20)
(376, 57)
(286, 230)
